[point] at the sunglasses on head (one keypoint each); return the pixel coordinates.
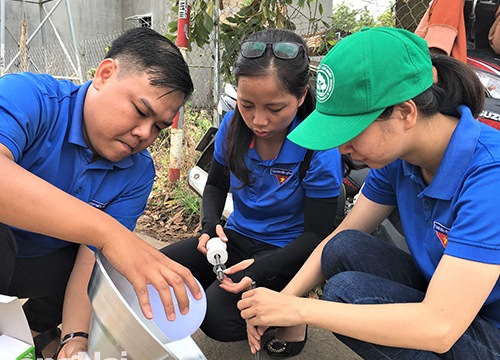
(282, 50)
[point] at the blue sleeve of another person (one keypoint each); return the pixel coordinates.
(324, 176)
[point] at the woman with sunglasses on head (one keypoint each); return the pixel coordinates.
(410, 117)
(278, 217)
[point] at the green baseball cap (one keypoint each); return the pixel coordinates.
(360, 77)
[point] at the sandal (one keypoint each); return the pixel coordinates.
(278, 348)
(45, 338)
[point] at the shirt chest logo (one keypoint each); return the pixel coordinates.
(281, 175)
(442, 233)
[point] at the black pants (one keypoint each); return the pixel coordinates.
(222, 321)
(42, 279)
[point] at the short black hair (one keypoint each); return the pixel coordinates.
(145, 50)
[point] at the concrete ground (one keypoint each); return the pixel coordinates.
(321, 344)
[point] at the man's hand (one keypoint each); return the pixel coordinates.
(142, 264)
(74, 349)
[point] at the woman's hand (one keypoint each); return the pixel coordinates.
(254, 334)
(244, 284)
(203, 239)
(264, 307)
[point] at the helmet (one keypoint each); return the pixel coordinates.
(227, 101)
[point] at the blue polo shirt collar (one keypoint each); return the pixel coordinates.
(76, 131)
(455, 159)
(289, 153)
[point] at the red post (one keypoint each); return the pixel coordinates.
(183, 25)
(177, 133)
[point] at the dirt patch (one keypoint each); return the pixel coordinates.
(172, 212)
(168, 223)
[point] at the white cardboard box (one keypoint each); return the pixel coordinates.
(16, 342)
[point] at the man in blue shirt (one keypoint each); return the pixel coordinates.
(64, 147)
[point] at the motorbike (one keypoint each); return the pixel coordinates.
(479, 16)
(197, 175)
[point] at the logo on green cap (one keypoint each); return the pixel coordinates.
(325, 83)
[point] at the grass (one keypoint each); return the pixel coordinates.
(173, 207)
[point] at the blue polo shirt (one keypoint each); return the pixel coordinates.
(41, 124)
(271, 208)
(457, 213)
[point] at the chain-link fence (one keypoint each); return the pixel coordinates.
(321, 30)
(60, 60)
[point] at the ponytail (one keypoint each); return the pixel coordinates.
(457, 85)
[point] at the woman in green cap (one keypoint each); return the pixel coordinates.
(383, 100)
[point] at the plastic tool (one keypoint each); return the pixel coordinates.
(217, 256)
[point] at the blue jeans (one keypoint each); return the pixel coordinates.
(361, 269)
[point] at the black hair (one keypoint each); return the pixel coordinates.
(457, 85)
(292, 75)
(145, 50)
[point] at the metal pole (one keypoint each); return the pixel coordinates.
(76, 68)
(73, 39)
(35, 32)
(2, 37)
(216, 118)
(176, 132)
(41, 11)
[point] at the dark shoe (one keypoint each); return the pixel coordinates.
(278, 348)
(45, 338)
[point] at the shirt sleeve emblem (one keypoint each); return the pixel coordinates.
(442, 233)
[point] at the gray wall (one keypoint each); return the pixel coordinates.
(96, 24)
(90, 18)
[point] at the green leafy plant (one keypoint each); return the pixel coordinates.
(187, 199)
(252, 16)
(345, 21)
(255, 15)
